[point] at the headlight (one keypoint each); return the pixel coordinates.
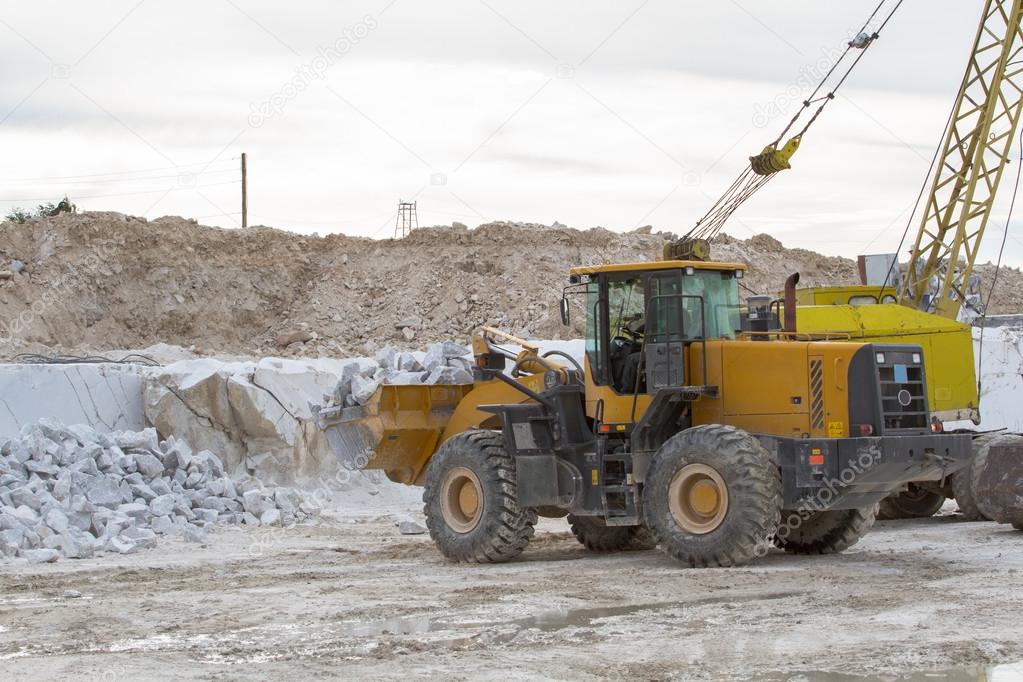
(916, 358)
(880, 358)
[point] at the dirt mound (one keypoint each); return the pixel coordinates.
(97, 281)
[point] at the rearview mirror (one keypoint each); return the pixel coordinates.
(565, 316)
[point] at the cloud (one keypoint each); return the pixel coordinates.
(587, 112)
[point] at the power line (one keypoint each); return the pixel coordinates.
(124, 194)
(125, 172)
(303, 221)
(998, 268)
(115, 180)
(216, 215)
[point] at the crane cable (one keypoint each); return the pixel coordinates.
(998, 268)
(772, 160)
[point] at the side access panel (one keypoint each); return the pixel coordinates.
(764, 386)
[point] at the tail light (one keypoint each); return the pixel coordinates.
(866, 429)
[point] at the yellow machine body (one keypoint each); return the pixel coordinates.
(781, 387)
(774, 384)
(947, 344)
(856, 295)
(785, 388)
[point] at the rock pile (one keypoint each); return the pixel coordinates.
(443, 363)
(120, 282)
(72, 491)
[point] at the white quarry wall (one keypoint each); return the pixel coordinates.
(106, 397)
(255, 415)
(1000, 365)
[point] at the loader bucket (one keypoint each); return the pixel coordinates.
(396, 431)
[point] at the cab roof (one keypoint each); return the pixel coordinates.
(656, 265)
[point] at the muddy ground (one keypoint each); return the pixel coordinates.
(358, 600)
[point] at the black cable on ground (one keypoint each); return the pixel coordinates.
(40, 359)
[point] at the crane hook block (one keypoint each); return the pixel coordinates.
(687, 248)
(773, 160)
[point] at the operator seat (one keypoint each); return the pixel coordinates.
(626, 355)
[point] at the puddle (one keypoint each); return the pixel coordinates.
(549, 621)
(395, 626)
(1012, 672)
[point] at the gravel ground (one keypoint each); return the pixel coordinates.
(356, 599)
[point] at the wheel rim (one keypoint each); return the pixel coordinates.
(461, 499)
(698, 498)
(916, 494)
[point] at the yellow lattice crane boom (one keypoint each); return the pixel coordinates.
(974, 155)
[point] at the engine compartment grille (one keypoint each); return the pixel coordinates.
(903, 394)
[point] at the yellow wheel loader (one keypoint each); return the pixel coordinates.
(678, 430)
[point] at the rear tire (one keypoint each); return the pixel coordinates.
(826, 532)
(713, 497)
(962, 484)
(470, 500)
(962, 490)
(915, 503)
(991, 510)
(595, 535)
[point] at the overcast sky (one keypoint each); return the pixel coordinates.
(618, 114)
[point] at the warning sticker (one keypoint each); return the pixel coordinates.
(836, 429)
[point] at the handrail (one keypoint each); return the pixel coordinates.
(522, 389)
(509, 337)
(796, 336)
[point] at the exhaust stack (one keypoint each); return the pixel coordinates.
(790, 302)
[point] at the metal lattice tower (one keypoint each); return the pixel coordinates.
(975, 153)
(407, 219)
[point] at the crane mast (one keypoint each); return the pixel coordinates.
(974, 155)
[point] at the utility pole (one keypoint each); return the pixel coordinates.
(245, 192)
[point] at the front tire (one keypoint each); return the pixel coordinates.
(826, 532)
(713, 497)
(470, 500)
(595, 535)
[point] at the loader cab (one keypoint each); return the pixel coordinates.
(640, 318)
